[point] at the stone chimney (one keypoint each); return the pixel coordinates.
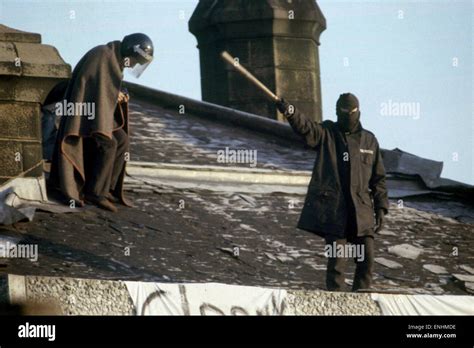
(277, 40)
(28, 72)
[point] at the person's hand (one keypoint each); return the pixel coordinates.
(123, 98)
(379, 220)
(285, 108)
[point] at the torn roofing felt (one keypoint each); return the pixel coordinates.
(409, 174)
(400, 162)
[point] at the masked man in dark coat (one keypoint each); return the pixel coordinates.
(92, 143)
(347, 197)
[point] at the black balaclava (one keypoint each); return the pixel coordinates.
(347, 119)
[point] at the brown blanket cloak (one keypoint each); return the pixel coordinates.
(96, 80)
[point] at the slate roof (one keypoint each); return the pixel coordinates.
(195, 242)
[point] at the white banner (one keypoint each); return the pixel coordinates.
(424, 304)
(205, 299)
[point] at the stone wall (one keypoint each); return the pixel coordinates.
(28, 71)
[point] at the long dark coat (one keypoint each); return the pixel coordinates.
(325, 208)
(97, 79)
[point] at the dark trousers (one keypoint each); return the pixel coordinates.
(364, 268)
(105, 159)
(49, 133)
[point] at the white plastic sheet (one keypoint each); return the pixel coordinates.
(11, 211)
(12, 194)
(21, 197)
(205, 299)
(424, 304)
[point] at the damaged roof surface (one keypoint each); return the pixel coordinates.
(190, 235)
